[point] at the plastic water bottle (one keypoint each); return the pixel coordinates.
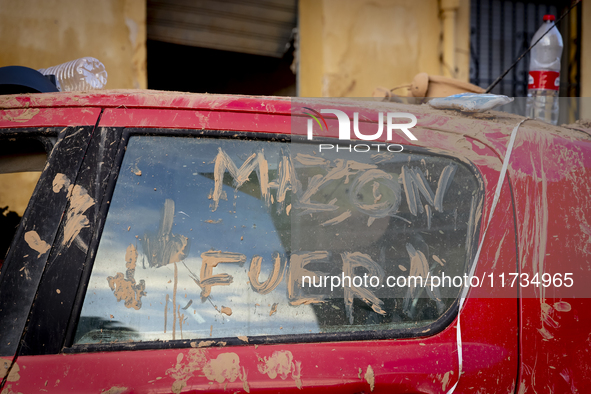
(86, 73)
(544, 74)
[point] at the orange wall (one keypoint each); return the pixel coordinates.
(44, 33)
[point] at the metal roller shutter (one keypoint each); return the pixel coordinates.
(261, 27)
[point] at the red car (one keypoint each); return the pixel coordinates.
(182, 242)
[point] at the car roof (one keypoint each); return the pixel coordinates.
(148, 99)
(491, 127)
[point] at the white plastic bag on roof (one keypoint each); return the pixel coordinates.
(470, 102)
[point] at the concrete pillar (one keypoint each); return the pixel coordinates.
(310, 48)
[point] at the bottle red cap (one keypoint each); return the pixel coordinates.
(549, 18)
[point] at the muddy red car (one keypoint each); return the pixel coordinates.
(181, 242)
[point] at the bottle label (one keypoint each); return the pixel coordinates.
(544, 80)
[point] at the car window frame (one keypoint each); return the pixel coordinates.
(443, 322)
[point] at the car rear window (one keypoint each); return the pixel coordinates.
(218, 238)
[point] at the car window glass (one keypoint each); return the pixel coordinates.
(21, 163)
(216, 238)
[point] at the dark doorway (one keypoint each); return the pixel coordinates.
(202, 70)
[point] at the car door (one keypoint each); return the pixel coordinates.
(214, 246)
(552, 184)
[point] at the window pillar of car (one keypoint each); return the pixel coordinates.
(26, 259)
(46, 332)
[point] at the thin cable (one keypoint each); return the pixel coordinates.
(492, 85)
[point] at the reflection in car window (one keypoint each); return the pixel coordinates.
(21, 163)
(214, 238)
